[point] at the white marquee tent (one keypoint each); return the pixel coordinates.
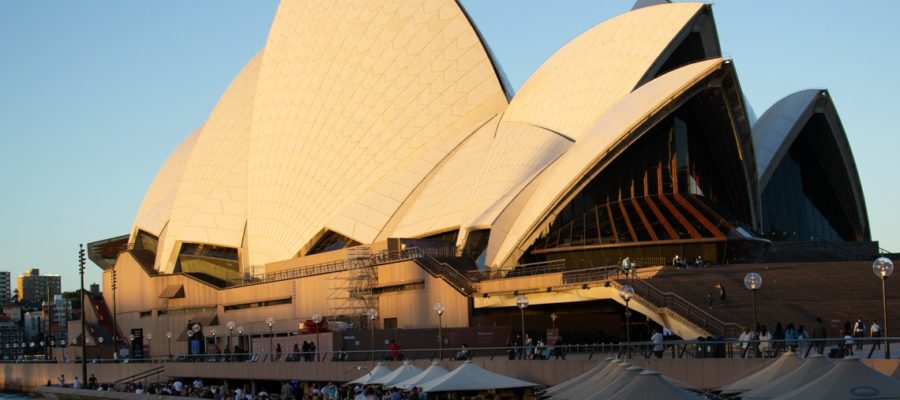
(849, 379)
(469, 376)
(788, 362)
(406, 371)
(433, 372)
(377, 372)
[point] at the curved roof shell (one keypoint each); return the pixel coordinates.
(355, 104)
(780, 126)
(156, 207)
(348, 108)
(573, 88)
(606, 139)
(594, 71)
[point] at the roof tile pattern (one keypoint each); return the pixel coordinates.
(594, 71)
(349, 93)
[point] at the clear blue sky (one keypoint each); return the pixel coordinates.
(95, 94)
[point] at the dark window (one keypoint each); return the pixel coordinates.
(800, 200)
(331, 241)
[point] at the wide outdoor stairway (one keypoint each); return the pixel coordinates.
(791, 293)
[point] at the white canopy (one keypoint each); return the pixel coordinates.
(377, 372)
(406, 371)
(788, 362)
(612, 371)
(651, 385)
(814, 366)
(849, 379)
(430, 373)
(578, 379)
(469, 376)
(603, 392)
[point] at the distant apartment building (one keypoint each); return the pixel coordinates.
(11, 339)
(56, 318)
(4, 287)
(34, 288)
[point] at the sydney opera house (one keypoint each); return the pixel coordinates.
(374, 157)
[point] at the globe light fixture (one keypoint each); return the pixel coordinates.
(883, 267)
(627, 293)
(317, 319)
(439, 309)
(271, 322)
(753, 282)
(522, 303)
(372, 313)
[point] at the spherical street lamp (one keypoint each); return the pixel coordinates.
(317, 319)
(150, 343)
(883, 267)
(169, 343)
(271, 322)
(372, 313)
(626, 293)
(553, 318)
(230, 326)
(439, 309)
(522, 303)
(753, 282)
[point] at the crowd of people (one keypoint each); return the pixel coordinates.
(288, 390)
(762, 342)
(519, 348)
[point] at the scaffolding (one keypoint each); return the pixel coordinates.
(352, 292)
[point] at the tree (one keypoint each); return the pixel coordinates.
(74, 298)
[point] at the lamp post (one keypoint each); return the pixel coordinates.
(213, 332)
(317, 319)
(240, 330)
(883, 267)
(553, 318)
(169, 343)
(230, 326)
(626, 293)
(522, 303)
(149, 345)
(753, 282)
(270, 322)
(44, 348)
(190, 333)
(81, 262)
(439, 309)
(372, 313)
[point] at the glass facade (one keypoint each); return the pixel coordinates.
(331, 241)
(800, 200)
(681, 181)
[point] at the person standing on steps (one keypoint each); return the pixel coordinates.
(723, 297)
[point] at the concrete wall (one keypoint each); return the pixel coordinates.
(701, 373)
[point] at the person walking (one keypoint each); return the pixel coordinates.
(723, 297)
(819, 333)
(875, 332)
(859, 332)
(764, 341)
(658, 347)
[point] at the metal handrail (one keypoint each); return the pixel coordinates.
(536, 268)
(680, 307)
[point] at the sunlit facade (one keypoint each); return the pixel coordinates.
(359, 133)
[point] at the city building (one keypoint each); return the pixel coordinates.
(10, 339)
(388, 180)
(4, 287)
(34, 288)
